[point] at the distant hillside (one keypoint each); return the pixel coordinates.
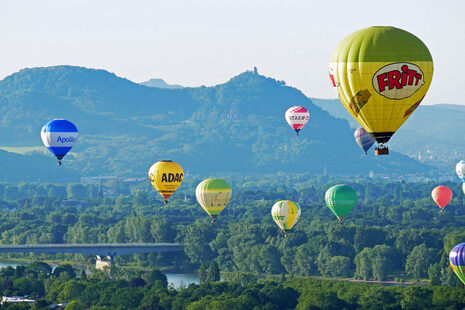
(434, 133)
(335, 108)
(235, 127)
(160, 84)
(34, 168)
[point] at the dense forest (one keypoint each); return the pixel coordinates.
(394, 233)
(116, 289)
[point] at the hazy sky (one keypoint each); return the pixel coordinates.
(207, 42)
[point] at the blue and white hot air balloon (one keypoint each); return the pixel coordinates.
(59, 136)
(363, 139)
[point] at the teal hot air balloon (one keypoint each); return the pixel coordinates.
(341, 199)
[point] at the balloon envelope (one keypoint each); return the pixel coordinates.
(59, 136)
(166, 176)
(460, 169)
(285, 213)
(381, 75)
(363, 139)
(341, 199)
(297, 117)
(213, 195)
(457, 261)
(441, 196)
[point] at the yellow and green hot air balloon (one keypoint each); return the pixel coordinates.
(166, 176)
(213, 195)
(381, 75)
(285, 213)
(341, 199)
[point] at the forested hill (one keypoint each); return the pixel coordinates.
(432, 133)
(235, 127)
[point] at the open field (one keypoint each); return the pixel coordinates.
(24, 149)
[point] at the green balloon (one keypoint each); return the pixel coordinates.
(341, 199)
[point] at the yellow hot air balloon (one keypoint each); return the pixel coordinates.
(213, 195)
(381, 75)
(166, 176)
(285, 213)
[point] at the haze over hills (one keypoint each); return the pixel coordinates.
(235, 127)
(433, 134)
(160, 83)
(33, 168)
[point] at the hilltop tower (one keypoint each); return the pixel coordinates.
(233, 111)
(100, 192)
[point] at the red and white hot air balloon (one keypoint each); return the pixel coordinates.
(441, 196)
(297, 117)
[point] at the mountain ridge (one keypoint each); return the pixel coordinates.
(236, 126)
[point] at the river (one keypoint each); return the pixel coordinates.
(184, 279)
(175, 279)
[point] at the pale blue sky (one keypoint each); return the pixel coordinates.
(206, 42)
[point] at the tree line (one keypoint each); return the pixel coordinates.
(394, 233)
(118, 288)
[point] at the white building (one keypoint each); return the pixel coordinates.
(16, 299)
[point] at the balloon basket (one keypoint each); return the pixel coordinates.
(213, 220)
(59, 163)
(381, 150)
(166, 202)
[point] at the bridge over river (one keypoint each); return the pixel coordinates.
(100, 250)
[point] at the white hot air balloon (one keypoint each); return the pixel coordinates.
(285, 213)
(460, 170)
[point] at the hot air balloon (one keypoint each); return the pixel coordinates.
(363, 139)
(285, 213)
(297, 117)
(457, 261)
(460, 170)
(441, 196)
(381, 75)
(59, 136)
(166, 176)
(213, 195)
(341, 199)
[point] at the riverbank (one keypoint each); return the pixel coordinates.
(385, 283)
(185, 278)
